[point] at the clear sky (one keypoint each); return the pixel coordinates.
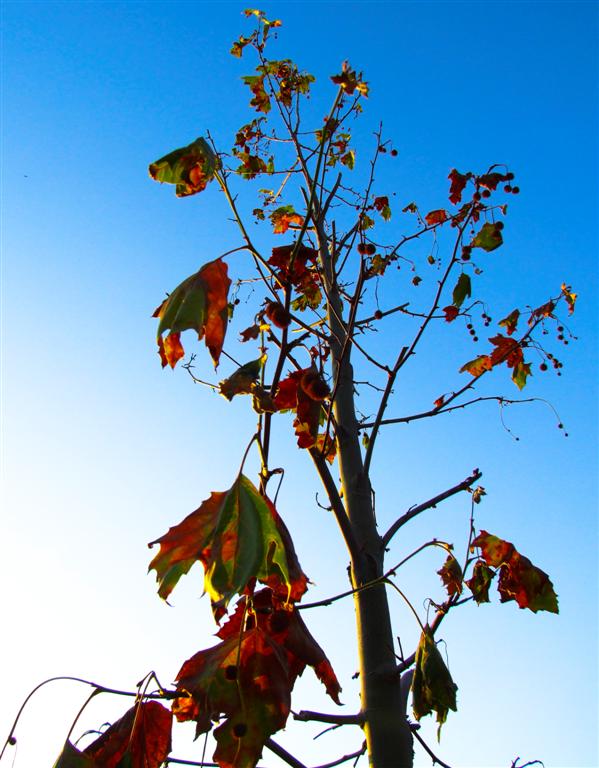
(102, 450)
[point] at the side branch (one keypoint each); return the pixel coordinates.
(307, 715)
(464, 485)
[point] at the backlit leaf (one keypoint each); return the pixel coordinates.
(242, 381)
(451, 313)
(479, 583)
(451, 576)
(382, 206)
(510, 323)
(436, 217)
(349, 81)
(570, 297)
(189, 168)
(519, 579)
(462, 290)
(458, 183)
(433, 689)
(488, 238)
(477, 366)
(199, 303)
(140, 739)
(236, 538)
(283, 217)
(246, 680)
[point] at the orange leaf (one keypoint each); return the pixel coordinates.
(199, 303)
(436, 217)
(477, 366)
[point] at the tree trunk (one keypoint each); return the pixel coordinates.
(388, 736)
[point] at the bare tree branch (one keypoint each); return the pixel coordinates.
(283, 754)
(464, 485)
(306, 715)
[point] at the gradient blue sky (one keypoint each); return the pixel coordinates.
(102, 450)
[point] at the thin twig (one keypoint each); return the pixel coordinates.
(306, 715)
(436, 760)
(283, 754)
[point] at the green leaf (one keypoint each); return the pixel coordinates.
(479, 583)
(462, 290)
(189, 168)
(520, 374)
(433, 689)
(488, 238)
(235, 536)
(199, 303)
(71, 757)
(241, 382)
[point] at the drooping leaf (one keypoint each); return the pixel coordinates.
(520, 374)
(199, 303)
(260, 99)
(477, 366)
(250, 333)
(241, 382)
(235, 537)
(491, 180)
(488, 238)
(519, 579)
(349, 159)
(283, 217)
(462, 290)
(451, 576)
(570, 297)
(436, 217)
(140, 739)
(71, 757)
(510, 323)
(433, 689)
(509, 351)
(303, 391)
(246, 679)
(283, 624)
(480, 581)
(458, 183)
(190, 168)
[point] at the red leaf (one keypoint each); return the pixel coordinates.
(510, 323)
(451, 313)
(458, 183)
(303, 391)
(519, 579)
(436, 217)
(570, 297)
(491, 180)
(506, 351)
(143, 734)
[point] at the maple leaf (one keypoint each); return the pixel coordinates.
(282, 622)
(293, 266)
(436, 217)
(236, 538)
(246, 679)
(302, 391)
(199, 303)
(140, 739)
(510, 323)
(451, 313)
(283, 217)
(190, 168)
(519, 579)
(570, 297)
(250, 333)
(488, 238)
(462, 290)
(433, 689)
(458, 183)
(509, 351)
(260, 100)
(477, 366)
(241, 382)
(382, 206)
(451, 576)
(480, 581)
(491, 180)
(349, 81)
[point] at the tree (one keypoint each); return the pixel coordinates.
(324, 292)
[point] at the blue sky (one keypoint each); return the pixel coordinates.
(103, 450)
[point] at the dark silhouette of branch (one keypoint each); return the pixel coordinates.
(307, 715)
(436, 760)
(525, 765)
(283, 754)
(464, 485)
(345, 758)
